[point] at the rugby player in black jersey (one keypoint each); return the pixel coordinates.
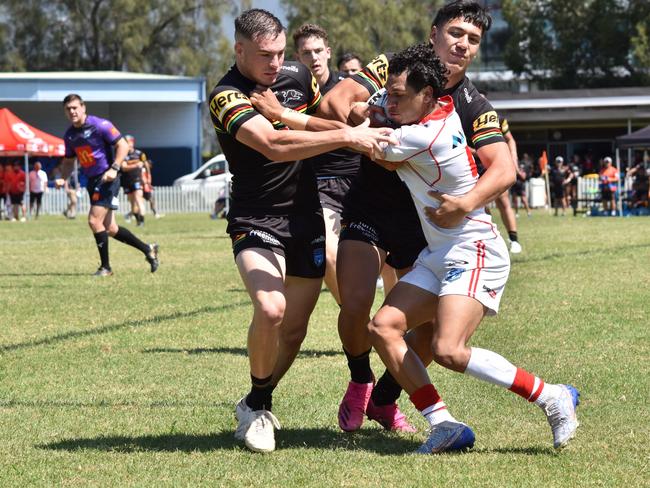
(275, 220)
(335, 169)
(380, 221)
(131, 180)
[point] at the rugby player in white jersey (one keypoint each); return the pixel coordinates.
(460, 276)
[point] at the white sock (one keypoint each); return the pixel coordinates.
(437, 413)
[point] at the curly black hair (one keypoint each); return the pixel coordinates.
(423, 66)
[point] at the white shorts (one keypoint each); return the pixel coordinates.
(477, 269)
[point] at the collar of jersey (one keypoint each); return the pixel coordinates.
(447, 107)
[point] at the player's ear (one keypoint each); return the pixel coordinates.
(432, 35)
(239, 48)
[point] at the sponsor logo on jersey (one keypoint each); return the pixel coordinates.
(318, 240)
(226, 100)
(292, 68)
(457, 140)
(490, 291)
(488, 120)
(453, 274)
(87, 133)
(468, 97)
(378, 68)
(456, 262)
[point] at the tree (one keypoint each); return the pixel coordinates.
(585, 44)
(365, 27)
(180, 37)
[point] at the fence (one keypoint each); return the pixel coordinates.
(169, 199)
(172, 199)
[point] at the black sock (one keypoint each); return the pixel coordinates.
(127, 237)
(512, 235)
(360, 371)
(386, 391)
(101, 238)
(137, 217)
(261, 395)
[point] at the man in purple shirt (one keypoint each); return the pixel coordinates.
(91, 141)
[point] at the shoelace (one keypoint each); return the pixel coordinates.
(266, 418)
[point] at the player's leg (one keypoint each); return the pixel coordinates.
(105, 194)
(301, 295)
(262, 272)
(382, 406)
(509, 220)
(358, 265)
(96, 221)
(406, 304)
(139, 205)
(332, 231)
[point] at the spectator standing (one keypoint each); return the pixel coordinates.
(640, 185)
(557, 179)
(17, 192)
(608, 177)
(37, 186)
(518, 190)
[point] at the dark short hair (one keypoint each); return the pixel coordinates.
(71, 97)
(257, 22)
(423, 66)
(310, 30)
(470, 10)
(345, 57)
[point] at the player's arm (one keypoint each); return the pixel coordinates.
(357, 88)
(291, 145)
(337, 102)
(266, 103)
(121, 149)
(132, 164)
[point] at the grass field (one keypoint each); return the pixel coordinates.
(131, 380)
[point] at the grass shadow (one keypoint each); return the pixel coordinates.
(238, 351)
(375, 440)
(157, 319)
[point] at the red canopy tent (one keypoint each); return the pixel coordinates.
(18, 138)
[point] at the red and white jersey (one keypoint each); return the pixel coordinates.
(437, 158)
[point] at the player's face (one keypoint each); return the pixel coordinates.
(404, 105)
(313, 53)
(131, 142)
(75, 111)
(350, 67)
(260, 59)
(456, 44)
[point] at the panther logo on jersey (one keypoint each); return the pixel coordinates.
(286, 96)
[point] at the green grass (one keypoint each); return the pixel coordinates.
(131, 380)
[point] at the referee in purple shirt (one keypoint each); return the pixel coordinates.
(91, 141)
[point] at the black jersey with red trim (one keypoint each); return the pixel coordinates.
(261, 186)
(339, 162)
(479, 119)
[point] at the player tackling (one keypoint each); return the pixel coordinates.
(460, 276)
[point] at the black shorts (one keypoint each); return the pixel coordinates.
(399, 233)
(16, 198)
(606, 193)
(332, 191)
(519, 188)
(36, 197)
(103, 194)
(299, 238)
(130, 187)
(557, 192)
(147, 195)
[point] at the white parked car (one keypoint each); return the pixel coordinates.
(208, 183)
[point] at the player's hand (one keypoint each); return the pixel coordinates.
(109, 176)
(369, 140)
(266, 103)
(449, 214)
(59, 182)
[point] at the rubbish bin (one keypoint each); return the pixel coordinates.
(536, 192)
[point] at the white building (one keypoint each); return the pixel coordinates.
(162, 112)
